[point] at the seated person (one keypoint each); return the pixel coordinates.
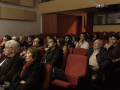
(71, 34)
(56, 37)
(38, 42)
(61, 44)
(89, 36)
(104, 36)
(107, 45)
(53, 55)
(11, 62)
(30, 76)
(23, 52)
(113, 33)
(74, 39)
(99, 60)
(95, 37)
(82, 43)
(68, 41)
(14, 38)
(22, 41)
(29, 43)
(5, 39)
(46, 43)
(114, 49)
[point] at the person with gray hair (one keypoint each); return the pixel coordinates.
(11, 62)
(99, 61)
(14, 38)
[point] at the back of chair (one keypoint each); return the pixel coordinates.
(80, 51)
(104, 42)
(64, 61)
(76, 66)
(70, 50)
(47, 76)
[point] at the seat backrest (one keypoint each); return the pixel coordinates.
(104, 42)
(64, 61)
(76, 66)
(47, 76)
(80, 51)
(88, 40)
(70, 50)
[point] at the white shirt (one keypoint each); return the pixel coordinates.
(84, 45)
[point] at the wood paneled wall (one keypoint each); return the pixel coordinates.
(29, 3)
(17, 14)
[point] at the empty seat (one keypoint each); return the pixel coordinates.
(76, 68)
(80, 51)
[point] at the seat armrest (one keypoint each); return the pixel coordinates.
(83, 82)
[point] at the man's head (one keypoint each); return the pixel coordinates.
(115, 39)
(6, 38)
(30, 38)
(83, 36)
(11, 47)
(67, 38)
(52, 43)
(38, 42)
(97, 44)
(14, 38)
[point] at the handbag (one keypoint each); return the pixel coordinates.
(58, 73)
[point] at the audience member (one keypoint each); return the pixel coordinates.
(5, 39)
(38, 42)
(31, 75)
(55, 37)
(14, 38)
(68, 42)
(61, 44)
(107, 45)
(53, 55)
(71, 34)
(95, 37)
(113, 33)
(22, 41)
(104, 36)
(29, 43)
(46, 43)
(11, 62)
(99, 60)
(89, 36)
(74, 39)
(23, 52)
(114, 49)
(82, 43)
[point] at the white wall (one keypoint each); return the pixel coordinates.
(16, 28)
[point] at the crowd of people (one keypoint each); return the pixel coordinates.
(22, 68)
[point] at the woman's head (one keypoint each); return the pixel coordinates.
(60, 42)
(74, 38)
(55, 37)
(110, 39)
(38, 42)
(33, 53)
(105, 33)
(22, 38)
(95, 35)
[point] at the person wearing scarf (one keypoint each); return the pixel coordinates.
(31, 73)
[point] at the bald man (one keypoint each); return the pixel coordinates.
(99, 59)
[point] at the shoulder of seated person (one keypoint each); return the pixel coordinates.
(38, 65)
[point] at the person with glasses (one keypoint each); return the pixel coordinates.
(11, 62)
(53, 55)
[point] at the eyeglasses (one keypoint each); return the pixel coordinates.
(50, 41)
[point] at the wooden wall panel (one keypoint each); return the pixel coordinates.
(13, 1)
(29, 15)
(29, 3)
(10, 13)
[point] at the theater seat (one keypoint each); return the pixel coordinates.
(80, 51)
(76, 68)
(64, 61)
(47, 76)
(70, 50)
(42, 49)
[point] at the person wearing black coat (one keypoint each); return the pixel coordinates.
(99, 60)
(53, 55)
(31, 75)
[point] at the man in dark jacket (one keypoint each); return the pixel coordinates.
(68, 41)
(11, 62)
(99, 60)
(53, 55)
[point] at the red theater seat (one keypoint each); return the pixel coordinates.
(70, 50)
(76, 68)
(47, 76)
(64, 61)
(80, 51)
